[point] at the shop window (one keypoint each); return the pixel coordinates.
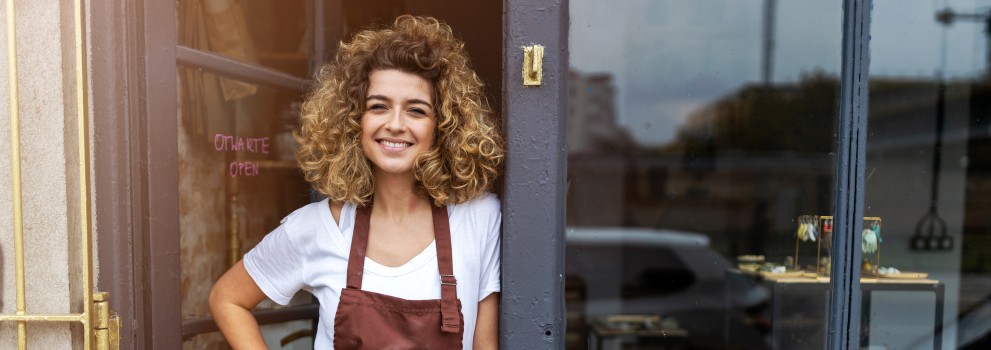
(927, 176)
(701, 137)
(236, 155)
(237, 179)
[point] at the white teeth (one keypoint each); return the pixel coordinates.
(395, 144)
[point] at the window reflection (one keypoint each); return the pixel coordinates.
(275, 34)
(686, 151)
(927, 173)
(237, 179)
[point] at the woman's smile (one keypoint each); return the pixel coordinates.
(394, 145)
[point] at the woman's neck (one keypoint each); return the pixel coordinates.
(395, 198)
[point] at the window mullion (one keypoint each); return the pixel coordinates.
(237, 70)
(845, 303)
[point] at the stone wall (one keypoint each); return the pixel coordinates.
(49, 172)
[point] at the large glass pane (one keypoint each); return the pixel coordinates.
(237, 180)
(700, 173)
(275, 34)
(928, 281)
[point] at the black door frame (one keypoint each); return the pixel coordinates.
(851, 153)
(532, 314)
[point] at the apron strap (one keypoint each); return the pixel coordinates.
(359, 242)
(450, 320)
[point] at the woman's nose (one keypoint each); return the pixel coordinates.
(395, 122)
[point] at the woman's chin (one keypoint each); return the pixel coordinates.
(392, 171)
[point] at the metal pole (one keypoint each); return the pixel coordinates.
(82, 128)
(767, 41)
(15, 160)
(987, 44)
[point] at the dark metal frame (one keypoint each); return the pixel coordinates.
(133, 101)
(117, 60)
(158, 159)
(191, 328)
(851, 149)
(238, 70)
(532, 315)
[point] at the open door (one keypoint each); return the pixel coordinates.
(224, 81)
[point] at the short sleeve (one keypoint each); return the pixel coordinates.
(490, 281)
(276, 266)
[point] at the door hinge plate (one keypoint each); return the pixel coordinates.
(533, 61)
(106, 324)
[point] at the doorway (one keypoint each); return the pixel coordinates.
(242, 69)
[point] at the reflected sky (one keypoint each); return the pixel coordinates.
(668, 58)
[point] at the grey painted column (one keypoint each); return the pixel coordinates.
(844, 303)
(532, 315)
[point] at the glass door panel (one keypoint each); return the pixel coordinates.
(237, 179)
(928, 177)
(701, 165)
(237, 171)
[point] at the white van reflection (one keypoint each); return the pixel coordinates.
(641, 271)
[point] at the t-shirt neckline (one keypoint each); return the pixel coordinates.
(345, 228)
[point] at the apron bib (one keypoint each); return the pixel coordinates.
(368, 320)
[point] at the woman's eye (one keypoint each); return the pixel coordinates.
(418, 111)
(377, 107)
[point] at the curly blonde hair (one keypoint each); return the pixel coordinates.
(468, 152)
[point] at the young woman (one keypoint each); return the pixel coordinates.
(404, 252)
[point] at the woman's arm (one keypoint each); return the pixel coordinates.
(231, 301)
(487, 323)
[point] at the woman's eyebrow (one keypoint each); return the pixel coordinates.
(409, 101)
(416, 100)
(377, 97)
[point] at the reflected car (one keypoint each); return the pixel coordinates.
(639, 271)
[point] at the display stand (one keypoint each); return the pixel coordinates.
(793, 329)
(824, 225)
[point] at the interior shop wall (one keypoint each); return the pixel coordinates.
(46, 87)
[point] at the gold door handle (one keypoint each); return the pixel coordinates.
(533, 61)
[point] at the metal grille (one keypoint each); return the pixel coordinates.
(100, 327)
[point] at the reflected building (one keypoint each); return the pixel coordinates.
(592, 124)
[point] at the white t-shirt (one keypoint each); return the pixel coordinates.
(309, 251)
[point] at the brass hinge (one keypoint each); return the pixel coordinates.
(106, 323)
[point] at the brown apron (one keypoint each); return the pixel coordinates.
(368, 320)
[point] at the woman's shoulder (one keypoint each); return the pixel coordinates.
(486, 203)
(481, 213)
(307, 219)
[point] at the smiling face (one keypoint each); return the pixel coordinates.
(399, 121)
